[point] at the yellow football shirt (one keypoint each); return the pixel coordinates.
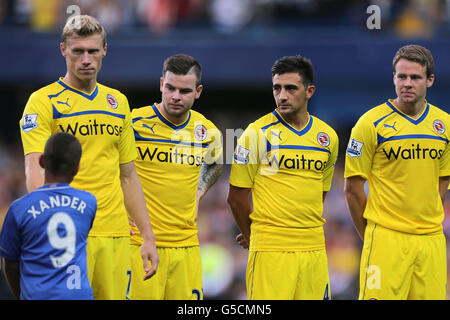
(288, 171)
(402, 159)
(101, 122)
(169, 159)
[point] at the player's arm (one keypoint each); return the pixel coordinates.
(356, 202)
(211, 168)
(209, 174)
(329, 168)
(11, 270)
(238, 199)
(34, 173)
(35, 129)
(136, 207)
(443, 186)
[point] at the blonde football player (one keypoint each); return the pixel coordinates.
(178, 152)
(286, 161)
(100, 118)
(401, 148)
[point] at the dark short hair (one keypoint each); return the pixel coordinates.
(299, 64)
(182, 64)
(415, 53)
(62, 154)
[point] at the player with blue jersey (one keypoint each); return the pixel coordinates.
(44, 236)
(401, 148)
(285, 159)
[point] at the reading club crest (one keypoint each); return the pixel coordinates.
(323, 139)
(439, 126)
(112, 101)
(200, 132)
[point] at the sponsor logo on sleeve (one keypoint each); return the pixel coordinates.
(241, 155)
(29, 122)
(354, 148)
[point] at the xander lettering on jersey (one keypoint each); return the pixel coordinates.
(57, 202)
(415, 152)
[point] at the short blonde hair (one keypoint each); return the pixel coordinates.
(85, 26)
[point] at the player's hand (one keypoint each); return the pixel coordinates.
(149, 253)
(242, 241)
(131, 223)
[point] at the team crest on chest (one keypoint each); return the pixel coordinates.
(112, 101)
(323, 139)
(200, 132)
(439, 126)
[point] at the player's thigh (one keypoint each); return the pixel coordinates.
(313, 280)
(387, 263)
(109, 267)
(150, 289)
(271, 275)
(184, 279)
(429, 280)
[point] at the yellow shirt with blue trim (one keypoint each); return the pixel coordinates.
(101, 122)
(402, 158)
(169, 160)
(288, 170)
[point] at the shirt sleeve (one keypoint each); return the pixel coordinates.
(246, 162)
(361, 149)
(127, 144)
(444, 166)
(215, 149)
(35, 125)
(10, 238)
(329, 168)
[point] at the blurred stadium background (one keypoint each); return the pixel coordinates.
(236, 41)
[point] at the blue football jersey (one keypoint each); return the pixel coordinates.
(46, 231)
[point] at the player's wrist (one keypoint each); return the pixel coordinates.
(148, 236)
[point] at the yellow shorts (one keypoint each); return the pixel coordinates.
(179, 275)
(398, 266)
(109, 270)
(299, 275)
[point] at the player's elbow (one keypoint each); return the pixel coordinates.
(348, 191)
(353, 186)
(237, 197)
(232, 198)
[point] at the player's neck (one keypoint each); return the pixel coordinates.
(297, 120)
(51, 179)
(411, 109)
(175, 120)
(86, 86)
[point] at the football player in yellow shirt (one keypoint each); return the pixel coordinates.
(100, 118)
(179, 159)
(401, 148)
(285, 160)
